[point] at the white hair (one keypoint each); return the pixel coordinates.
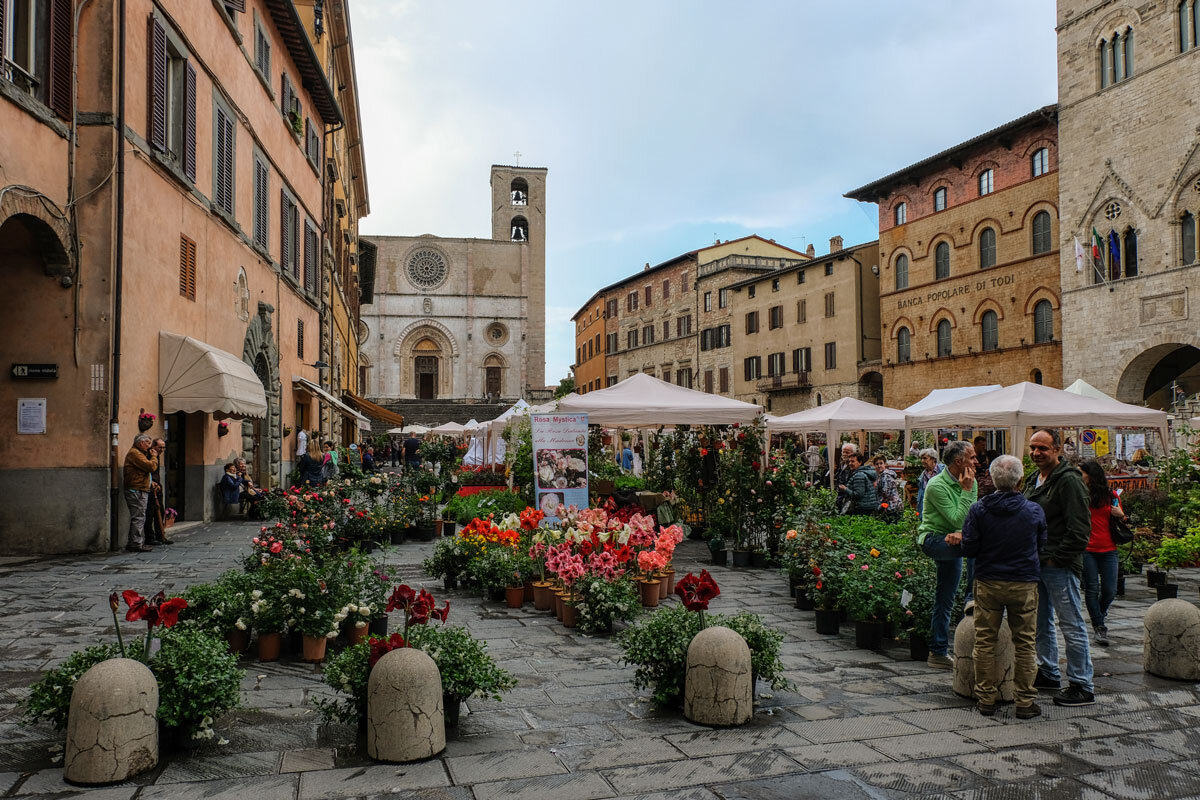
(928, 451)
(1007, 472)
(853, 447)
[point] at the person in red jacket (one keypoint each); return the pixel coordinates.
(1100, 559)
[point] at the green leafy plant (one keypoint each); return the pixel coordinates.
(50, 698)
(1174, 553)
(764, 645)
(220, 606)
(346, 672)
(463, 661)
(600, 602)
(498, 502)
(198, 680)
(446, 561)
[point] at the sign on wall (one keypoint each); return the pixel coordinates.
(31, 415)
(560, 461)
(1093, 442)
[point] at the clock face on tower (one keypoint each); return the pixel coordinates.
(427, 269)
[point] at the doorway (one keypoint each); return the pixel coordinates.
(173, 470)
(493, 381)
(427, 377)
(260, 456)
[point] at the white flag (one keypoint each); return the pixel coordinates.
(1079, 255)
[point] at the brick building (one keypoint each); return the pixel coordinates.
(590, 367)
(1131, 178)
(968, 249)
(808, 333)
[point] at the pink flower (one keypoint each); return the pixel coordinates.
(865, 567)
(850, 556)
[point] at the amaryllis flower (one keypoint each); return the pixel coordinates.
(696, 592)
(156, 610)
(381, 647)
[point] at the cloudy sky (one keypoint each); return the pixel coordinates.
(666, 124)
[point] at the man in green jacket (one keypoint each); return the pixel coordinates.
(1058, 488)
(948, 497)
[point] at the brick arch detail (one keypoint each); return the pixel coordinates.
(1041, 293)
(942, 236)
(986, 222)
(1034, 208)
(939, 315)
(902, 322)
(1118, 20)
(988, 304)
(1037, 144)
(47, 225)
(986, 163)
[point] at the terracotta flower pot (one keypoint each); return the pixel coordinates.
(514, 596)
(662, 586)
(314, 648)
(528, 592)
(543, 600)
(558, 605)
(670, 581)
(437, 528)
(650, 592)
(239, 641)
(570, 616)
(359, 635)
(269, 645)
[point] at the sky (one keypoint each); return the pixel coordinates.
(668, 124)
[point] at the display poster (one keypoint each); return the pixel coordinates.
(1093, 442)
(1133, 443)
(560, 461)
(31, 415)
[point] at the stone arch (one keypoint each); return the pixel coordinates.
(1119, 19)
(1139, 363)
(986, 222)
(495, 370)
(263, 437)
(988, 304)
(940, 236)
(939, 315)
(902, 322)
(1040, 205)
(47, 225)
(426, 339)
(433, 325)
(1040, 293)
(870, 387)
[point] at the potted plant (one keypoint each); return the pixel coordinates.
(601, 599)
(198, 680)
(514, 590)
(648, 563)
(269, 608)
(447, 562)
(426, 506)
(464, 664)
(1174, 553)
(718, 549)
(864, 595)
(222, 607)
(145, 421)
(315, 609)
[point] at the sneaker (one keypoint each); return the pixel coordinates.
(942, 661)
(1029, 712)
(1044, 681)
(969, 609)
(1074, 695)
(1102, 636)
(986, 709)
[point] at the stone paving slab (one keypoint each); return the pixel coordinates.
(698, 771)
(925, 777)
(833, 785)
(1052, 789)
(577, 786)
(818, 757)
(237, 765)
(1147, 782)
(924, 745)
(275, 787)
(1020, 764)
(853, 729)
(505, 765)
(736, 740)
(626, 752)
(380, 779)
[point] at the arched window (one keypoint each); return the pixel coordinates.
(939, 199)
(987, 248)
(1116, 57)
(943, 338)
(986, 184)
(941, 261)
(519, 192)
(1189, 25)
(1043, 322)
(901, 213)
(1040, 161)
(903, 346)
(901, 271)
(1106, 73)
(520, 229)
(1131, 253)
(991, 331)
(1187, 225)
(1036, 377)
(1041, 233)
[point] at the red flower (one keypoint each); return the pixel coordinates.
(703, 451)
(156, 611)
(442, 613)
(168, 612)
(381, 647)
(696, 592)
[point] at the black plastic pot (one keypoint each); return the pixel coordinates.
(793, 582)
(1166, 591)
(451, 706)
(397, 536)
(448, 526)
(758, 559)
(1155, 577)
(828, 621)
(378, 626)
(868, 635)
(802, 601)
(918, 648)
(426, 532)
(370, 546)
(450, 582)
(496, 594)
(720, 558)
(741, 558)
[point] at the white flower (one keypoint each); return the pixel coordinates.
(240, 625)
(352, 608)
(331, 635)
(360, 624)
(256, 594)
(301, 611)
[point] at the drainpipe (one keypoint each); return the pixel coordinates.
(118, 279)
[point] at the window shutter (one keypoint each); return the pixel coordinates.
(236, 5)
(286, 95)
(157, 105)
(62, 24)
(189, 122)
(3, 9)
(261, 202)
(310, 257)
(187, 268)
(285, 214)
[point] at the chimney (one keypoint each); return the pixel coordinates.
(835, 243)
(810, 251)
(646, 267)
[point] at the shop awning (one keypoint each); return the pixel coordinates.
(305, 385)
(376, 411)
(194, 376)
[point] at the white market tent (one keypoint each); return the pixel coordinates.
(448, 429)
(643, 401)
(942, 396)
(1080, 386)
(1025, 405)
(846, 414)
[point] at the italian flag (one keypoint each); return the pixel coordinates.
(1097, 248)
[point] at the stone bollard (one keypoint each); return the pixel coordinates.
(112, 728)
(718, 689)
(1172, 644)
(964, 660)
(404, 708)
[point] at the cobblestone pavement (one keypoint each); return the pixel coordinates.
(860, 724)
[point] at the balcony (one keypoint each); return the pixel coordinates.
(795, 381)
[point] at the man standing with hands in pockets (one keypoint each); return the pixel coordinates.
(948, 497)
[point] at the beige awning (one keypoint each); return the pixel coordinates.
(306, 385)
(194, 376)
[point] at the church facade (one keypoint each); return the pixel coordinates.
(463, 318)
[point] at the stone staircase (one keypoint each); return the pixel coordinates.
(436, 412)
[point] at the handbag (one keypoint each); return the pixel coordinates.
(1119, 530)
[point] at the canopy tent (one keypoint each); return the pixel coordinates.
(942, 396)
(482, 452)
(1084, 388)
(409, 430)
(471, 425)
(846, 414)
(194, 376)
(643, 401)
(1032, 405)
(376, 411)
(305, 385)
(448, 429)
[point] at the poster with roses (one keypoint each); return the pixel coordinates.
(560, 461)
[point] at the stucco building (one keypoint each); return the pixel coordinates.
(968, 252)
(463, 319)
(808, 333)
(1130, 178)
(187, 222)
(590, 368)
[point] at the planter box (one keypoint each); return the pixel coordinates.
(650, 500)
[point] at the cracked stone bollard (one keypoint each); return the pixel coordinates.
(404, 708)
(964, 660)
(718, 689)
(1172, 644)
(112, 727)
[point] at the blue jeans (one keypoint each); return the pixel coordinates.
(1099, 584)
(1058, 596)
(949, 560)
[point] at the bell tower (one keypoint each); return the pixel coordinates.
(519, 217)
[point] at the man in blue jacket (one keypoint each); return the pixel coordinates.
(1004, 532)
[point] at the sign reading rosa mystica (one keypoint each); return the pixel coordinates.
(560, 461)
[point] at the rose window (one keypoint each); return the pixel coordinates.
(426, 269)
(1112, 210)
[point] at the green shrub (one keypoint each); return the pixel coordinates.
(479, 505)
(50, 698)
(198, 679)
(463, 661)
(600, 602)
(346, 672)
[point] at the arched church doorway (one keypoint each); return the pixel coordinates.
(1161, 376)
(425, 369)
(493, 376)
